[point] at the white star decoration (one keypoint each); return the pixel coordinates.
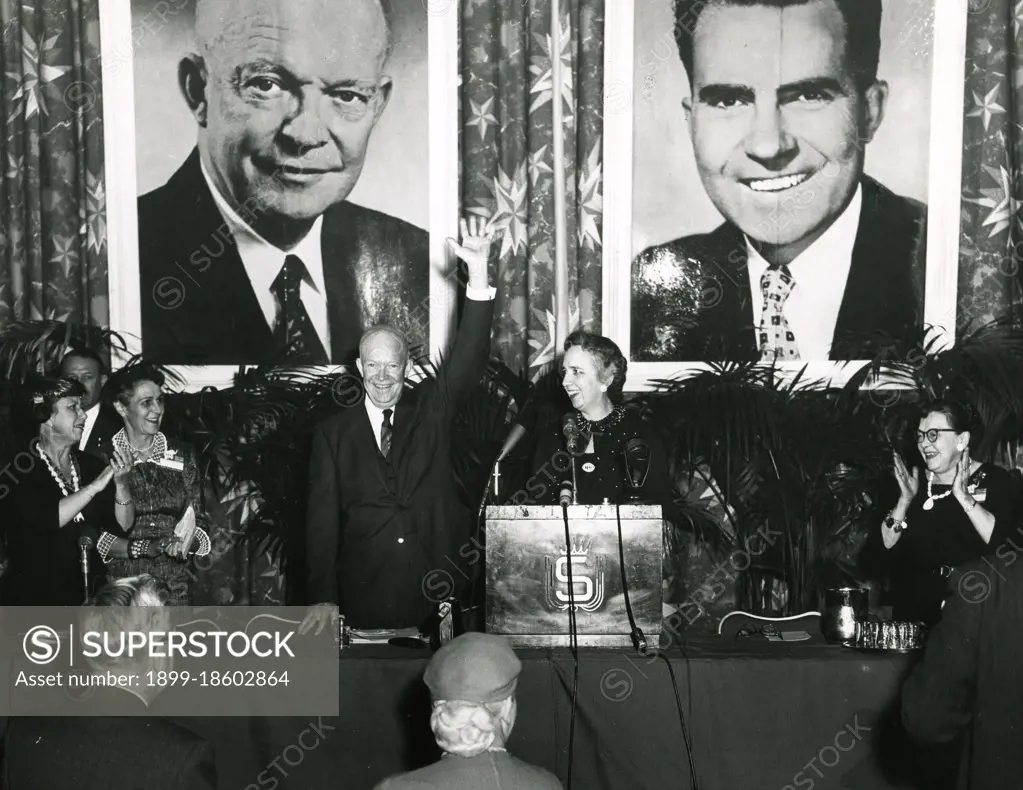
(986, 107)
(590, 200)
(481, 116)
(999, 199)
(36, 76)
(543, 84)
(510, 214)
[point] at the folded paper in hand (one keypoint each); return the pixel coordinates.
(382, 636)
(185, 529)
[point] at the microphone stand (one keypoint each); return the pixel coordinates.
(83, 560)
(497, 479)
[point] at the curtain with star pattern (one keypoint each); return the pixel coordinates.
(991, 230)
(507, 160)
(53, 243)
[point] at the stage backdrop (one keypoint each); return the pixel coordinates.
(53, 97)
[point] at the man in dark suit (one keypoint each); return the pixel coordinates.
(815, 260)
(123, 746)
(101, 422)
(970, 680)
(383, 510)
(251, 253)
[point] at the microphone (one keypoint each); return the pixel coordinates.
(86, 540)
(576, 440)
(514, 437)
(637, 462)
(567, 493)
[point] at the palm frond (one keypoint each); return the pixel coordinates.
(28, 347)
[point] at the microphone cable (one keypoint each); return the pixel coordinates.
(681, 716)
(640, 644)
(635, 633)
(573, 641)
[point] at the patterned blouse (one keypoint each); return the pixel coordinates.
(164, 484)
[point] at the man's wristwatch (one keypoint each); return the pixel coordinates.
(891, 523)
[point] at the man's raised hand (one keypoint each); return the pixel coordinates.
(477, 236)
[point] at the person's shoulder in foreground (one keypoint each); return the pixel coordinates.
(486, 770)
(971, 675)
(110, 752)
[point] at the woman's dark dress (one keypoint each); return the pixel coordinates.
(43, 565)
(601, 474)
(944, 537)
(162, 495)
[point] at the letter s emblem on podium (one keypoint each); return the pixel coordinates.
(590, 577)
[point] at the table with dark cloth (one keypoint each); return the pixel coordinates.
(759, 714)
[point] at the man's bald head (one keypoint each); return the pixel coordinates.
(218, 21)
(384, 364)
(383, 336)
(286, 94)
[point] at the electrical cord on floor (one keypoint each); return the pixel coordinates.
(574, 641)
(640, 644)
(682, 720)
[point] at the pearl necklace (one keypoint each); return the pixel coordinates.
(59, 479)
(931, 498)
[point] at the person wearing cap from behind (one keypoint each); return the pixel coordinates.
(472, 681)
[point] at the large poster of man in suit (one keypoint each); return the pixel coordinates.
(281, 151)
(780, 178)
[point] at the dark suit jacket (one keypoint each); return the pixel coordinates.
(108, 422)
(971, 676)
(691, 297)
(487, 770)
(376, 528)
(199, 308)
(135, 752)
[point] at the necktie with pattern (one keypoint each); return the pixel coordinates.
(777, 342)
(294, 334)
(386, 429)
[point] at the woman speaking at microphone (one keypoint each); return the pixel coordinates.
(596, 435)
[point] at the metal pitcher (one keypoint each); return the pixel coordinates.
(843, 607)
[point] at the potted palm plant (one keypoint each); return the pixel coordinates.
(801, 471)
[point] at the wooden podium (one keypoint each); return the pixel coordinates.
(527, 574)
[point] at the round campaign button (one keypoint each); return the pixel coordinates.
(588, 467)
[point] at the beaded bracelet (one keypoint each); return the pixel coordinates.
(138, 549)
(103, 546)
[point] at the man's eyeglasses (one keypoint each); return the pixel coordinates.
(932, 434)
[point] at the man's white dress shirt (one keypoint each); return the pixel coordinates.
(90, 423)
(820, 273)
(263, 262)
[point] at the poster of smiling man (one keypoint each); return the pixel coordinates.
(780, 178)
(281, 167)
